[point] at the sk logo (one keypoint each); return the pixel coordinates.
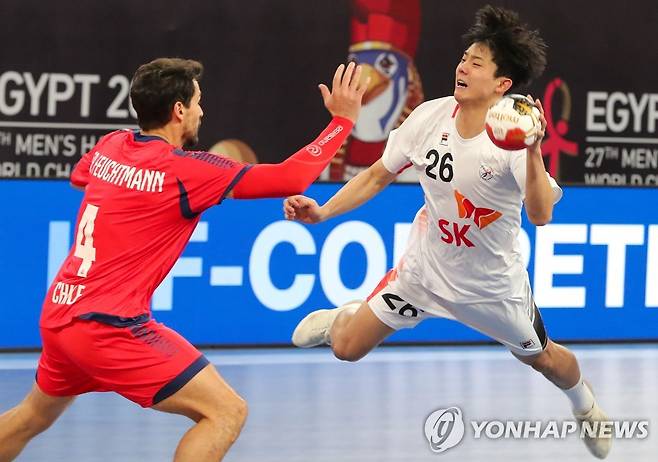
(481, 217)
(444, 429)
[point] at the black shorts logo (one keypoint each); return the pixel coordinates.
(154, 340)
(527, 344)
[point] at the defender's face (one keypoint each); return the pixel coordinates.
(475, 80)
(192, 118)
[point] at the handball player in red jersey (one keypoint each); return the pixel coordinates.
(144, 195)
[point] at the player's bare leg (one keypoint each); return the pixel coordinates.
(352, 330)
(32, 416)
(219, 413)
(355, 333)
(559, 365)
(556, 363)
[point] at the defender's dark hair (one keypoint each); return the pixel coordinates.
(158, 85)
(519, 53)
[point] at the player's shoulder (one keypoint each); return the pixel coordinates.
(205, 158)
(117, 136)
(435, 108)
(444, 104)
(110, 140)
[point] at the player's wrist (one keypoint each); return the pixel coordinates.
(323, 214)
(343, 121)
(535, 151)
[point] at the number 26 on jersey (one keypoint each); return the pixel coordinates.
(444, 170)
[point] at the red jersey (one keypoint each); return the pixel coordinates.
(143, 199)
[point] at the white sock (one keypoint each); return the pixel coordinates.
(581, 397)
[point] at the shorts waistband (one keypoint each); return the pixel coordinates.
(116, 321)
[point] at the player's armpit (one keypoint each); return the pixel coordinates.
(295, 174)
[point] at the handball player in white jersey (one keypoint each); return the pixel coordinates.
(463, 259)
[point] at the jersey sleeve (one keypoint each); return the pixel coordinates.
(402, 142)
(396, 153)
(80, 173)
(518, 168)
(297, 172)
(205, 179)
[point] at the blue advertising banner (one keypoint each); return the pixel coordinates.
(247, 276)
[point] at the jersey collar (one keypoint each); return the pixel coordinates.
(146, 138)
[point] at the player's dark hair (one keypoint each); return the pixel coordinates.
(158, 85)
(519, 52)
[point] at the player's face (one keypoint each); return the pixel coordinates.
(475, 80)
(192, 118)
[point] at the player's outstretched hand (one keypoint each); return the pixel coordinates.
(302, 208)
(344, 99)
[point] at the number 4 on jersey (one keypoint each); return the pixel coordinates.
(86, 250)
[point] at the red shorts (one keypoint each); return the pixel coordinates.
(145, 363)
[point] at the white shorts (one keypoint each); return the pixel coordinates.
(515, 322)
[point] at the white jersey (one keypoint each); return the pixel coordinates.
(463, 245)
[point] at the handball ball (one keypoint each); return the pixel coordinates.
(513, 122)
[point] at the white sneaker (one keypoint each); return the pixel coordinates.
(599, 446)
(314, 329)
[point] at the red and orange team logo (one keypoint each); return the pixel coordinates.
(457, 233)
(482, 217)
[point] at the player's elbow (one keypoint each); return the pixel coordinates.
(292, 181)
(540, 218)
(540, 212)
(379, 175)
(79, 187)
(295, 187)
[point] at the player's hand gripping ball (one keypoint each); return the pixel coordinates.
(513, 122)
